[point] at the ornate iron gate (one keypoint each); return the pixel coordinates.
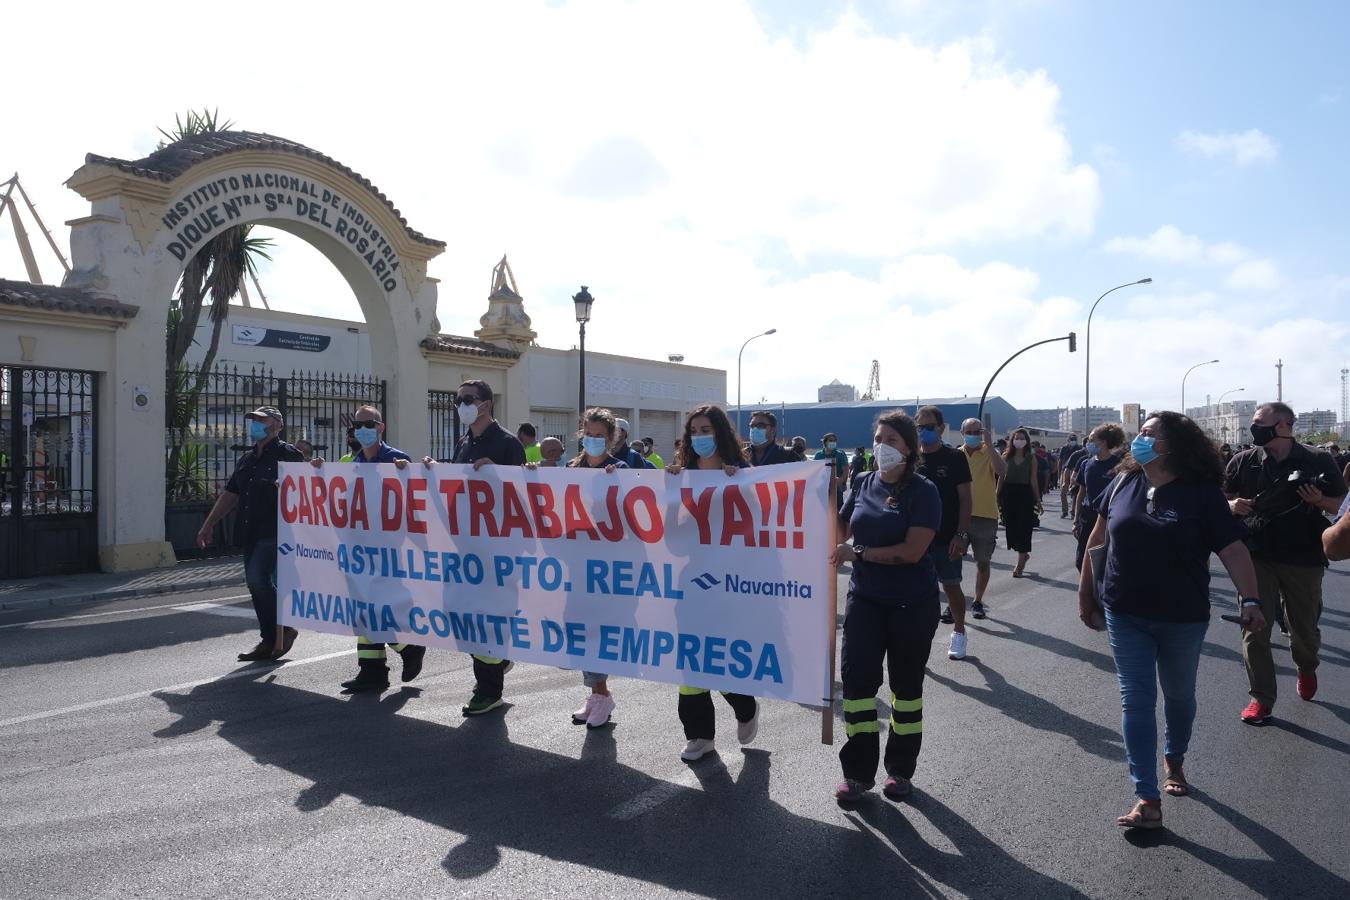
(48, 471)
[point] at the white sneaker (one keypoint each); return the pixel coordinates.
(601, 706)
(958, 648)
(583, 715)
(696, 749)
(746, 731)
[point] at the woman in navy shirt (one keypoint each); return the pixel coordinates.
(597, 436)
(710, 443)
(892, 609)
(1091, 478)
(1165, 514)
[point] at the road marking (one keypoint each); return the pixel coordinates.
(649, 799)
(185, 686)
(218, 609)
(111, 612)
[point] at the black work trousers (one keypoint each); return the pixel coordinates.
(901, 638)
(700, 719)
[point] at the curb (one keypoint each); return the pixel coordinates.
(121, 593)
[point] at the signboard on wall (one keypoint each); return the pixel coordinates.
(1132, 423)
(257, 336)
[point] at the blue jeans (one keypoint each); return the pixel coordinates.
(260, 572)
(1148, 653)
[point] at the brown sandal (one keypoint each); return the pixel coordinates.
(1147, 814)
(1175, 783)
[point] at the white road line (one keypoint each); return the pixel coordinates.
(218, 609)
(111, 612)
(185, 686)
(650, 798)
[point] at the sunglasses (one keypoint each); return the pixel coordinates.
(365, 423)
(466, 399)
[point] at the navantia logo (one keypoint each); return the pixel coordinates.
(285, 549)
(707, 581)
(303, 552)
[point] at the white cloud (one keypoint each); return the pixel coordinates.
(1239, 148)
(1170, 244)
(1256, 275)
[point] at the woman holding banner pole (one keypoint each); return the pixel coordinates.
(598, 428)
(891, 614)
(710, 443)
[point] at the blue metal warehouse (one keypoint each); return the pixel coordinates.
(853, 421)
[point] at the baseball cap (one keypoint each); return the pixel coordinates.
(622, 425)
(266, 412)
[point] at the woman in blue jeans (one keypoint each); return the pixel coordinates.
(1165, 514)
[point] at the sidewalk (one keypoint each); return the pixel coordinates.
(63, 590)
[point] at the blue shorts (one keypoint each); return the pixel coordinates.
(948, 570)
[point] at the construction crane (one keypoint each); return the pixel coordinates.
(873, 383)
(20, 234)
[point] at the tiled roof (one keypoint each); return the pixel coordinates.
(175, 159)
(450, 343)
(67, 299)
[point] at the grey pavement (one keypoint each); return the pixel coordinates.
(66, 590)
(138, 759)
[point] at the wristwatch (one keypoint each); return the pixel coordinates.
(859, 550)
(964, 535)
(1245, 602)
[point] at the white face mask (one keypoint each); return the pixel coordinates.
(887, 457)
(1019, 443)
(468, 413)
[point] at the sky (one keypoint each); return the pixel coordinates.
(933, 185)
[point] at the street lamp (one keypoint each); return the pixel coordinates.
(582, 301)
(1226, 393)
(738, 375)
(1073, 348)
(1208, 362)
(1087, 353)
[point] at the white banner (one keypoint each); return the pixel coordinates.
(701, 579)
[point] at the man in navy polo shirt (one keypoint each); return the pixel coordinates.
(373, 670)
(484, 443)
(764, 449)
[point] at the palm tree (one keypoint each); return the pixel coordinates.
(217, 273)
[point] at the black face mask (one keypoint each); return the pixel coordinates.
(1263, 434)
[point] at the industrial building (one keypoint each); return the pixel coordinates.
(853, 421)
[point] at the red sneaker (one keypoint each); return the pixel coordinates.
(1307, 684)
(1255, 713)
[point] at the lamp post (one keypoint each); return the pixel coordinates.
(738, 375)
(1087, 353)
(582, 301)
(1208, 362)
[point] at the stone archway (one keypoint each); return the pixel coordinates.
(149, 216)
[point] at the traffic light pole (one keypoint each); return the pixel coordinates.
(1071, 337)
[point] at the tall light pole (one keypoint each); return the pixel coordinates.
(1073, 348)
(1226, 393)
(1208, 362)
(738, 375)
(1218, 410)
(582, 301)
(1087, 353)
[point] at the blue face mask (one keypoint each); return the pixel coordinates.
(928, 436)
(704, 445)
(257, 431)
(1093, 448)
(759, 436)
(1141, 448)
(973, 440)
(594, 446)
(366, 437)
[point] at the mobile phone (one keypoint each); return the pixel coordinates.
(1229, 617)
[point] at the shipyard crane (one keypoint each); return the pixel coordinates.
(873, 383)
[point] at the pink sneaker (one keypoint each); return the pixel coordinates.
(601, 707)
(582, 715)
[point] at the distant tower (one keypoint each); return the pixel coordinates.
(873, 382)
(1345, 395)
(1279, 379)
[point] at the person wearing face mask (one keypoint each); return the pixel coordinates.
(252, 490)
(1070, 456)
(986, 468)
(829, 450)
(649, 453)
(891, 614)
(710, 444)
(1285, 520)
(949, 471)
(624, 451)
(1019, 496)
(372, 673)
(484, 443)
(764, 449)
(1094, 473)
(597, 436)
(1160, 519)
(799, 448)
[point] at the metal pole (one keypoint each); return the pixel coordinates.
(1207, 362)
(738, 375)
(980, 414)
(1087, 365)
(581, 380)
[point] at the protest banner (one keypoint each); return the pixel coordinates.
(701, 578)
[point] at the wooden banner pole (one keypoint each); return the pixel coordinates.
(827, 714)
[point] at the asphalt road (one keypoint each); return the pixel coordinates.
(138, 759)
